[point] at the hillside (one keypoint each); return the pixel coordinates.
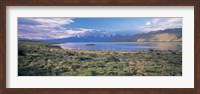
(161, 35)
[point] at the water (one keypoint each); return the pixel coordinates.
(122, 45)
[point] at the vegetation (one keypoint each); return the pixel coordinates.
(40, 59)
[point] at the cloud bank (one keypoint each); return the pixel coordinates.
(161, 24)
(47, 28)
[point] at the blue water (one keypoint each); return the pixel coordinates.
(122, 45)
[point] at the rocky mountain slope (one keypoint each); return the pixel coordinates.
(161, 35)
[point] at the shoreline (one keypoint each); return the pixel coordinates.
(58, 46)
(114, 51)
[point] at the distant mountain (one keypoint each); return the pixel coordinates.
(23, 39)
(87, 37)
(103, 36)
(161, 35)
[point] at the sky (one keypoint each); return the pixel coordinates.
(56, 28)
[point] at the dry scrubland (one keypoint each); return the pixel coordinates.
(38, 59)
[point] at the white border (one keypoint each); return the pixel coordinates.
(185, 81)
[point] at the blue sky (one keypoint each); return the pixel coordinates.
(108, 24)
(55, 28)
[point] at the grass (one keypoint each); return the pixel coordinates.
(39, 59)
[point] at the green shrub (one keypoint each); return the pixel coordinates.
(21, 51)
(81, 58)
(112, 58)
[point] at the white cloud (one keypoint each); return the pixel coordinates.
(78, 31)
(162, 24)
(51, 22)
(51, 34)
(148, 23)
(47, 28)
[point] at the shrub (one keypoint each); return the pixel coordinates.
(21, 52)
(83, 58)
(112, 59)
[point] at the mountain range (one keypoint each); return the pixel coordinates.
(153, 36)
(103, 36)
